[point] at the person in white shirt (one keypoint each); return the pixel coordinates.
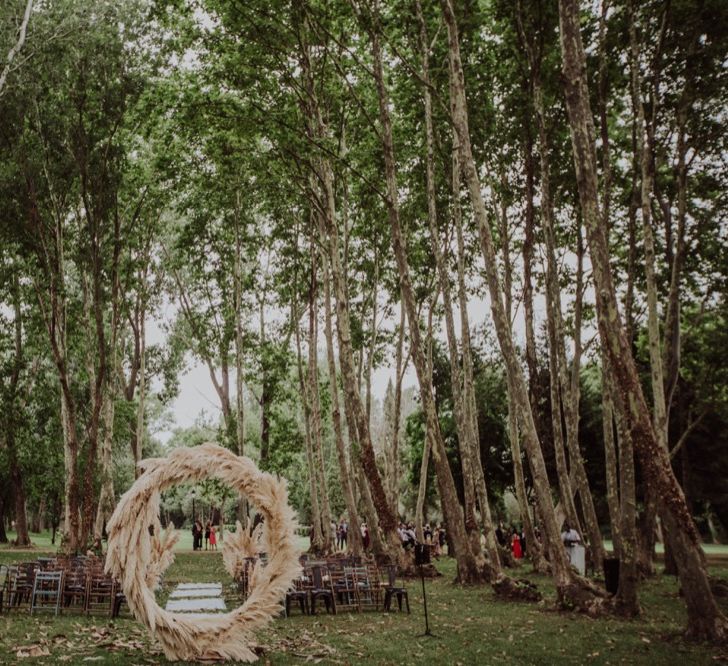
(570, 536)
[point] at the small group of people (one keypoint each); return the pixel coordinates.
(209, 534)
(434, 537)
(341, 531)
(515, 540)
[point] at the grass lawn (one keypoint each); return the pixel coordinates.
(469, 625)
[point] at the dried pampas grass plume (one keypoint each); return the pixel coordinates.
(162, 554)
(238, 546)
(134, 559)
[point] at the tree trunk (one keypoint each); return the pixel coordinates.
(15, 49)
(704, 618)
(469, 455)
(572, 383)
(469, 569)
(22, 537)
(560, 568)
(626, 600)
(265, 398)
(106, 498)
(355, 409)
(354, 542)
(427, 448)
(610, 463)
(239, 344)
(528, 243)
(644, 149)
(315, 403)
(534, 549)
(317, 536)
(11, 408)
(393, 451)
(535, 552)
(3, 533)
(142, 379)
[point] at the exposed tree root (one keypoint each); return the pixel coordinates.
(583, 596)
(541, 566)
(626, 610)
(516, 589)
(710, 629)
(408, 569)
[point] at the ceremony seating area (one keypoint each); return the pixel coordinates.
(346, 584)
(59, 584)
(79, 584)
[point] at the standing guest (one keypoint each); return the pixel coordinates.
(428, 533)
(523, 542)
(344, 533)
(194, 535)
(213, 538)
(570, 536)
(402, 533)
(436, 550)
(333, 529)
(500, 535)
(365, 535)
(338, 535)
(411, 536)
(442, 538)
(516, 545)
(207, 534)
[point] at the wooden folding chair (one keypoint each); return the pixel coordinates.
(75, 588)
(367, 587)
(344, 585)
(4, 586)
(100, 591)
(21, 584)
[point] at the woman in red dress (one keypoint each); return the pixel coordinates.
(516, 545)
(213, 538)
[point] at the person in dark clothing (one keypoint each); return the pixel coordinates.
(207, 534)
(500, 535)
(196, 535)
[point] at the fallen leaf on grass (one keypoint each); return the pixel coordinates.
(32, 651)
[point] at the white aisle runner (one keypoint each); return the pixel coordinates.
(197, 599)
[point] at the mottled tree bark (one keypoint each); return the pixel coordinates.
(354, 542)
(355, 409)
(317, 534)
(315, 405)
(560, 568)
(704, 618)
(469, 447)
(469, 569)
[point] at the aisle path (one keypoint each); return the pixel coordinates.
(197, 599)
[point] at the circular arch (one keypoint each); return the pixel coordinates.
(130, 552)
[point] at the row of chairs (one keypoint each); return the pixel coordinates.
(347, 588)
(58, 584)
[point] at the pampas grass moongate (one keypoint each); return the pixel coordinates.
(137, 559)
